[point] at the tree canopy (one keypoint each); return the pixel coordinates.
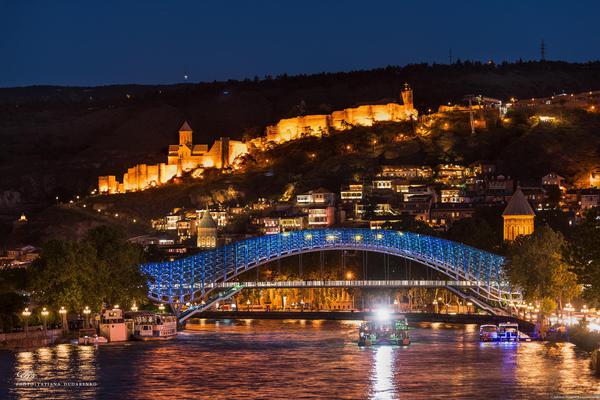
(536, 265)
(101, 269)
(584, 253)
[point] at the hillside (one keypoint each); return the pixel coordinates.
(521, 148)
(57, 140)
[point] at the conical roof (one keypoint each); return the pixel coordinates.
(207, 220)
(185, 127)
(518, 205)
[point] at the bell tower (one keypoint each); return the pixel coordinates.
(407, 96)
(185, 135)
(518, 217)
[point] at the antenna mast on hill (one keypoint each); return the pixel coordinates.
(450, 56)
(543, 51)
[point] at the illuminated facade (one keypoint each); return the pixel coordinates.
(319, 125)
(182, 157)
(518, 217)
(189, 157)
(207, 232)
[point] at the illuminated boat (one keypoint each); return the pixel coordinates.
(508, 332)
(504, 332)
(145, 325)
(384, 330)
(488, 333)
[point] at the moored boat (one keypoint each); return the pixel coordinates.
(147, 325)
(488, 333)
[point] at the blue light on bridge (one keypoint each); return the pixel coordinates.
(184, 279)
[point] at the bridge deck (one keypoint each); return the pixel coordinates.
(346, 284)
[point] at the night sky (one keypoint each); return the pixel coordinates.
(107, 42)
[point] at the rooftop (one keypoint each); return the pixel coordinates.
(518, 205)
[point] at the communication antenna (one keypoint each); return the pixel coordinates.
(543, 51)
(450, 56)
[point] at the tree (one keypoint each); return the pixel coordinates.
(536, 265)
(117, 266)
(64, 275)
(584, 253)
(475, 232)
(100, 270)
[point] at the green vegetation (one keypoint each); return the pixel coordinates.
(584, 253)
(100, 270)
(536, 265)
(12, 281)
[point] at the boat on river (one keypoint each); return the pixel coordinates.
(147, 325)
(503, 332)
(384, 330)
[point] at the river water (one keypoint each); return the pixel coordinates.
(300, 359)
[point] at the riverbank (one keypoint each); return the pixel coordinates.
(342, 316)
(18, 340)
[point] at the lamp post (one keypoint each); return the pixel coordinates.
(161, 307)
(86, 312)
(63, 317)
(44, 314)
(248, 302)
(134, 307)
(301, 305)
(435, 304)
(26, 313)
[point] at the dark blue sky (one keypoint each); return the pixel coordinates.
(106, 42)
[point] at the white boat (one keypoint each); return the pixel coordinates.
(146, 325)
(112, 325)
(488, 333)
(92, 340)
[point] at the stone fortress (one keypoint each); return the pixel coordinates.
(187, 156)
(366, 115)
(182, 157)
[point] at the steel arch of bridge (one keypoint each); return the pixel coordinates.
(184, 279)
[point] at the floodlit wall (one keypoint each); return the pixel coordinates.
(187, 156)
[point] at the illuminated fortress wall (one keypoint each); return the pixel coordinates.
(181, 158)
(318, 125)
(186, 156)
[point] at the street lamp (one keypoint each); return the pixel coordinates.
(349, 275)
(86, 312)
(248, 302)
(44, 317)
(301, 305)
(469, 305)
(26, 313)
(134, 307)
(435, 304)
(161, 307)
(63, 315)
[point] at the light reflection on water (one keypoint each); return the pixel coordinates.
(383, 375)
(302, 359)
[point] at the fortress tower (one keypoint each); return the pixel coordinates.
(407, 96)
(518, 217)
(185, 135)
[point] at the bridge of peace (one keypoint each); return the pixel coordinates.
(214, 275)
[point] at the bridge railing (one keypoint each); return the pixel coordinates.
(184, 278)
